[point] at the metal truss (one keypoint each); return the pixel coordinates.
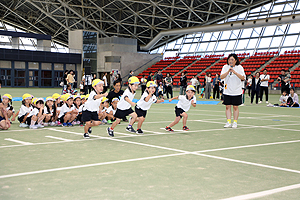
(140, 19)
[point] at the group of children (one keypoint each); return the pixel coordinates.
(92, 109)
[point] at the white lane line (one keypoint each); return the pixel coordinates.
(264, 193)
(127, 134)
(153, 132)
(89, 165)
(248, 146)
(18, 141)
(58, 130)
(58, 138)
(21, 130)
(248, 163)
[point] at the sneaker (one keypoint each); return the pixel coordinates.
(46, 124)
(78, 122)
(52, 124)
(74, 123)
(139, 131)
(58, 123)
(39, 126)
(65, 124)
(110, 132)
(109, 122)
(242, 104)
(33, 127)
(260, 102)
(169, 129)
(69, 124)
(130, 129)
(267, 102)
(86, 136)
(185, 128)
(227, 125)
(104, 121)
(90, 130)
(234, 125)
(23, 125)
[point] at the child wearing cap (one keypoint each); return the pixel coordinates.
(50, 112)
(183, 105)
(91, 107)
(57, 104)
(4, 120)
(68, 113)
(25, 109)
(7, 102)
(111, 110)
(144, 104)
(78, 107)
(124, 106)
(102, 111)
(36, 116)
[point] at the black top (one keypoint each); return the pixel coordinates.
(183, 80)
(65, 81)
(159, 78)
(112, 95)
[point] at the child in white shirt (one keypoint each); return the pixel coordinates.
(110, 112)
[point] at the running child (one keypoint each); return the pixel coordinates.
(110, 112)
(91, 107)
(183, 105)
(68, 113)
(124, 106)
(25, 109)
(144, 104)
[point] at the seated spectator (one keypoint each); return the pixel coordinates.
(68, 90)
(293, 100)
(283, 99)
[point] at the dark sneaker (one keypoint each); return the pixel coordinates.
(65, 124)
(139, 131)
(130, 129)
(86, 136)
(169, 129)
(110, 132)
(90, 130)
(69, 124)
(185, 128)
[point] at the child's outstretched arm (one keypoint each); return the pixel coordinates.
(193, 104)
(159, 101)
(173, 98)
(129, 101)
(98, 96)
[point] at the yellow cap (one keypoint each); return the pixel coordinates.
(151, 84)
(49, 98)
(82, 96)
(115, 99)
(133, 80)
(68, 96)
(77, 96)
(32, 101)
(26, 96)
(190, 87)
(7, 96)
(96, 82)
(104, 99)
(87, 96)
(55, 96)
(62, 97)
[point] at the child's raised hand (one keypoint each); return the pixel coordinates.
(105, 94)
(170, 100)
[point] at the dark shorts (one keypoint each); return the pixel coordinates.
(178, 112)
(90, 116)
(1, 118)
(232, 100)
(27, 121)
(140, 112)
(123, 113)
(61, 119)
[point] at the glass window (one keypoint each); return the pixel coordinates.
(289, 6)
(246, 33)
(294, 28)
(47, 66)
(280, 29)
(256, 32)
(33, 65)
(265, 42)
(225, 35)
(278, 8)
(230, 45)
(206, 37)
(202, 46)
(290, 40)
(269, 30)
(5, 64)
(193, 47)
(58, 66)
(20, 65)
(276, 41)
(70, 67)
(235, 34)
(252, 43)
(242, 44)
(215, 35)
(222, 45)
(211, 46)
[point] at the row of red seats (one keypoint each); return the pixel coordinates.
(293, 51)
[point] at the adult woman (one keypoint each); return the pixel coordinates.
(168, 85)
(65, 80)
(216, 86)
(70, 78)
(208, 85)
(234, 75)
(255, 87)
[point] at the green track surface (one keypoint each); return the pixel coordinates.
(207, 162)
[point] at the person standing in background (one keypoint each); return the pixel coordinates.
(70, 78)
(208, 85)
(105, 86)
(130, 74)
(168, 84)
(87, 80)
(264, 85)
(149, 78)
(143, 84)
(249, 84)
(216, 86)
(183, 83)
(65, 81)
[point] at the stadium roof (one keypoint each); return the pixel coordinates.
(140, 19)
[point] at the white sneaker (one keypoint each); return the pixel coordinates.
(46, 124)
(39, 126)
(23, 125)
(52, 124)
(234, 125)
(227, 125)
(267, 102)
(242, 104)
(260, 102)
(33, 127)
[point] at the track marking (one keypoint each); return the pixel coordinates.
(88, 165)
(18, 141)
(264, 193)
(58, 138)
(127, 134)
(153, 132)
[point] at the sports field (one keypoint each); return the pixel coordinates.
(260, 159)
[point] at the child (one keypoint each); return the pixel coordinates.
(68, 90)
(25, 109)
(91, 107)
(144, 104)
(36, 116)
(183, 105)
(160, 91)
(67, 112)
(110, 112)
(77, 104)
(7, 102)
(57, 104)
(103, 109)
(50, 112)
(283, 99)
(4, 120)
(124, 106)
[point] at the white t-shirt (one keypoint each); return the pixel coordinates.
(123, 104)
(35, 111)
(109, 109)
(142, 104)
(233, 84)
(80, 108)
(105, 80)
(46, 110)
(92, 104)
(24, 110)
(88, 79)
(194, 82)
(160, 88)
(264, 83)
(9, 107)
(283, 99)
(64, 109)
(184, 103)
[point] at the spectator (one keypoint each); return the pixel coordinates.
(87, 80)
(216, 86)
(285, 79)
(130, 74)
(105, 86)
(194, 81)
(70, 78)
(149, 78)
(198, 84)
(208, 85)
(160, 91)
(264, 85)
(255, 87)
(249, 84)
(68, 90)
(283, 99)
(158, 79)
(183, 83)
(65, 80)
(294, 98)
(168, 84)
(143, 84)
